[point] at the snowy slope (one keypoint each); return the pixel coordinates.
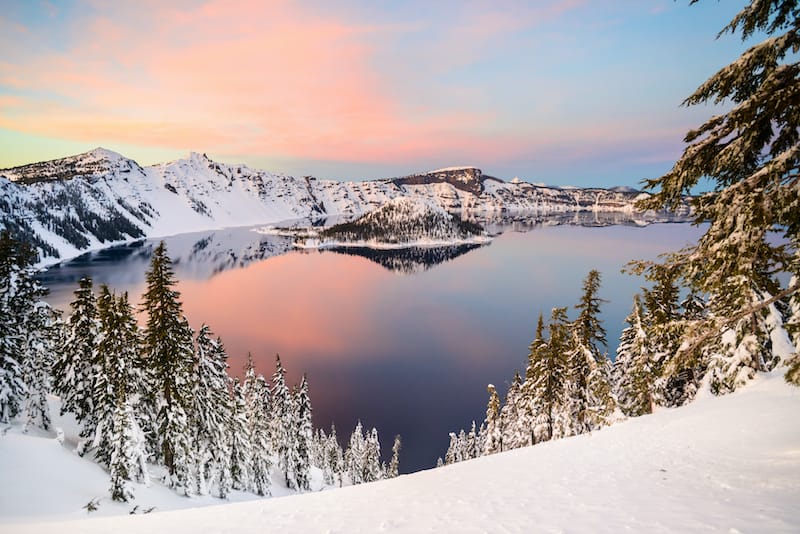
(91, 200)
(720, 464)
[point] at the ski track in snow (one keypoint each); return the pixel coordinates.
(720, 464)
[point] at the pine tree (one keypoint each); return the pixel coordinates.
(283, 425)
(304, 433)
(547, 378)
(394, 463)
(257, 412)
(24, 332)
(371, 462)
(212, 411)
(511, 419)
(40, 329)
(752, 155)
(354, 456)
(494, 431)
(335, 459)
(633, 368)
(241, 450)
(170, 354)
(74, 367)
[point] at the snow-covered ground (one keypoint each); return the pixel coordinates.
(721, 464)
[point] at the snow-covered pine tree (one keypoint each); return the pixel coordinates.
(41, 330)
(74, 368)
(241, 450)
(169, 350)
(371, 463)
(452, 455)
(116, 438)
(473, 448)
(304, 436)
(752, 155)
(588, 392)
(354, 455)
(283, 425)
(27, 332)
(394, 464)
(494, 430)
(257, 413)
(546, 379)
(511, 419)
(212, 413)
(633, 369)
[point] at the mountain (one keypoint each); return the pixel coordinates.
(89, 201)
(719, 464)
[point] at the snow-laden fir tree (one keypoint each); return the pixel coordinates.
(74, 367)
(394, 463)
(751, 154)
(257, 413)
(633, 367)
(283, 425)
(169, 351)
(588, 390)
(546, 378)
(241, 450)
(335, 456)
(117, 439)
(354, 455)
(371, 462)
(304, 436)
(212, 413)
(20, 310)
(494, 430)
(512, 419)
(41, 330)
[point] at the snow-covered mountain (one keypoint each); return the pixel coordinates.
(92, 200)
(719, 464)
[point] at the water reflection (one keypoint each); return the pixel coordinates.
(407, 354)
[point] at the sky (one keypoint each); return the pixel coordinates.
(564, 92)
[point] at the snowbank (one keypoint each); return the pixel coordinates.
(727, 464)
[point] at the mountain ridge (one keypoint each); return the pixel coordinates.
(91, 200)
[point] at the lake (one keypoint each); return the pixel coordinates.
(406, 343)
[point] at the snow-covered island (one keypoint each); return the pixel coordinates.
(399, 223)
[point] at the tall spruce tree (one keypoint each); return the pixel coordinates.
(169, 351)
(633, 367)
(241, 449)
(74, 368)
(257, 411)
(20, 310)
(751, 154)
(494, 430)
(304, 433)
(283, 425)
(354, 455)
(512, 419)
(546, 378)
(394, 464)
(213, 410)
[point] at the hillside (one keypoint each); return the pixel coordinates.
(89, 201)
(722, 464)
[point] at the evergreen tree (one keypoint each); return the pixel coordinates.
(241, 450)
(213, 410)
(257, 412)
(547, 377)
(494, 430)
(74, 367)
(394, 463)
(40, 331)
(128, 455)
(335, 459)
(19, 311)
(354, 456)
(633, 369)
(283, 425)
(511, 419)
(170, 354)
(371, 462)
(752, 155)
(304, 433)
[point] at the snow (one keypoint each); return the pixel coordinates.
(722, 464)
(197, 194)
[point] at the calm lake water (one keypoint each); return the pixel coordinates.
(405, 344)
